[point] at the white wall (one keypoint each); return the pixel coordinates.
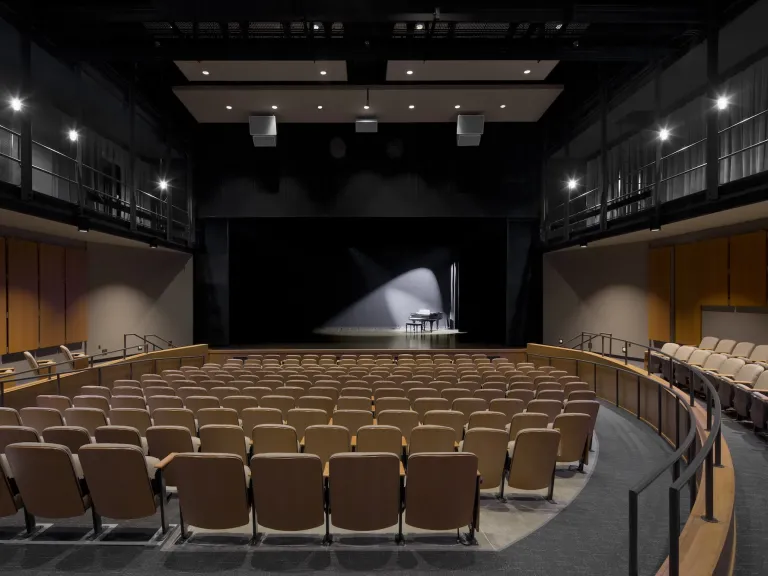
(597, 290)
(137, 290)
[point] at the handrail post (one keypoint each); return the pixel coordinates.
(638, 397)
(617, 387)
(125, 345)
(674, 532)
(692, 488)
(58, 383)
(709, 408)
(718, 446)
(710, 488)
(626, 352)
(658, 408)
(676, 466)
(633, 537)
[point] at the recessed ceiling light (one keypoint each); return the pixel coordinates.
(229, 107)
(274, 107)
(503, 106)
(457, 106)
(526, 71)
(316, 27)
(558, 26)
(323, 72)
(411, 107)
(205, 72)
(366, 107)
(419, 26)
(320, 107)
(409, 72)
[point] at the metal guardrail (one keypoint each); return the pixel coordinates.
(709, 455)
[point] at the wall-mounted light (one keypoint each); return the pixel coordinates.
(16, 104)
(664, 134)
(73, 135)
(163, 184)
(572, 183)
(722, 102)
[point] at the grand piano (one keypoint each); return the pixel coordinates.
(425, 316)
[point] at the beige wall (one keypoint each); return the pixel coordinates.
(597, 290)
(137, 290)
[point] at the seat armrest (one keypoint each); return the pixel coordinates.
(744, 383)
(78, 355)
(165, 461)
(45, 362)
(695, 364)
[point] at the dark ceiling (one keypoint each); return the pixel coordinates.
(599, 42)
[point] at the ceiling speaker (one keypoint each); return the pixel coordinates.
(366, 125)
(263, 130)
(469, 129)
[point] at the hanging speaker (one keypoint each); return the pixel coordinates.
(263, 131)
(469, 129)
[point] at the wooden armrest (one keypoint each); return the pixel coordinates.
(744, 383)
(45, 362)
(78, 355)
(165, 461)
(695, 364)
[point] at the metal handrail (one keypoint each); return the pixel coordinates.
(142, 338)
(10, 131)
(167, 342)
(710, 454)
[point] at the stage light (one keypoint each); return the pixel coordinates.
(163, 185)
(663, 134)
(366, 107)
(229, 107)
(319, 107)
(16, 104)
(526, 71)
(583, 244)
(409, 72)
(323, 72)
(411, 107)
(457, 106)
(419, 26)
(572, 184)
(503, 106)
(722, 103)
(205, 72)
(73, 135)
(274, 107)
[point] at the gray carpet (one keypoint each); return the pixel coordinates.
(588, 537)
(750, 459)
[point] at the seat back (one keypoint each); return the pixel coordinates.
(257, 392)
(527, 420)
(175, 417)
(469, 405)
(708, 343)
(47, 480)
(113, 434)
(352, 420)
(580, 395)
(282, 403)
(73, 437)
(574, 431)
(59, 403)
(424, 405)
(762, 381)
(97, 402)
(549, 407)
(699, 357)
(197, 403)
(533, 459)
(670, 348)
(490, 447)
(41, 418)
(252, 417)
(95, 391)
(9, 417)
(33, 365)
(300, 418)
(301, 476)
(68, 355)
(324, 391)
(440, 494)
(558, 395)
(507, 406)
(273, 438)
(164, 440)
(326, 440)
(449, 418)
(743, 349)
(488, 419)
(431, 438)
(452, 394)
(15, 434)
(324, 403)
(212, 488)
(88, 418)
(239, 403)
(392, 403)
(354, 477)
(404, 420)
(684, 353)
(380, 438)
(135, 402)
(224, 416)
(523, 395)
(223, 439)
(354, 403)
(725, 346)
(748, 373)
(731, 366)
(714, 361)
(488, 394)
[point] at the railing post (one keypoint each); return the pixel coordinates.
(58, 383)
(692, 488)
(604, 154)
(718, 446)
(638, 397)
(713, 141)
(633, 538)
(658, 408)
(617, 387)
(626, 352)
(674, 532)
(709, 408)
(25, 153)
(710, 487)
(2, 393)
(125, 345)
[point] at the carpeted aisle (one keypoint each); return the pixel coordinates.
(589, 537)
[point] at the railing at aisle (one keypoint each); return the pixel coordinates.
(708, 456)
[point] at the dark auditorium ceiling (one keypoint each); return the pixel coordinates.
(250, 46)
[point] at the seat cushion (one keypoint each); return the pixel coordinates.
(151, 465)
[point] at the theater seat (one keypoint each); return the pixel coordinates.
(452, 419)
(326, 440)
(73, 437)
(165, 440)
(487, 419)
(745, 396)
(41, 418)
(533, 457)
(742, 350)
(404, 420)
(272, 438)
(725, 347)
(574, 433)
(225, 439)
(431, 438)
(13, 435)
(380, 438)
(523, 421)
(490, 447)
(746, 376)
(122, 435)
(9, 417)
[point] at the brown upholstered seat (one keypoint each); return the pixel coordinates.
(389, 393)
(252, 417)
(356, 391)
(9, 417)
(392, 403)
(151, 391)
(223, 416)
(469, 405)
(589, 407)
(352, 420)
(282, 403)
(73, 437)
(440, 492)
(580, 395)
(97, 402)
(354, 403)
(175, 417)
(49, 481)
(164, 440)
(324, 391)
(380, 438)
(558, 395)
(574, 433)
(508, 406)
(533, 456)
(526, 420)
(449, 418)
(488, 394)
(452, 394)
(257, 392)
(325, 441)
(274, 438)
(239, 403)
(569, 387)
(185, 392)
(353, 478)
(301, 476)
(490, 447)
(487, 419)
(549, 407)
(224, 439)
(404, 420)
(415, 394)
(431, 438)
(301, 418)
(95, 391)
(135, 402)
(122, 435)
(213, 491)
(324, 403)
(423, 405)
(88, 418)
(197, 403)
(157, 402)
(13, 434)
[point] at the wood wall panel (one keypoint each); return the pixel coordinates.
(3, 301)
(76, 295)
(659, 293)
(748, 268)
(23, 301)
(52, 296)
(701, 279)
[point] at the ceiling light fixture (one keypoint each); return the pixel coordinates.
(503, 106)
(366, 107)
(229, 107)
(274, 107)
(323, 72)
(367, 99)
(16, 104)
(153, 243)
(163, 184)
(205, 72)
(320, 107)
(655, 228)
(409, 72)
(419, 26)
(558, 26)
(411, 106)
(457, 106)
(73, 135)
(82, 228)
(722, 102)
(315, 26)
(663, 134)
(572, 184)
(526, 71)
(583, 244)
